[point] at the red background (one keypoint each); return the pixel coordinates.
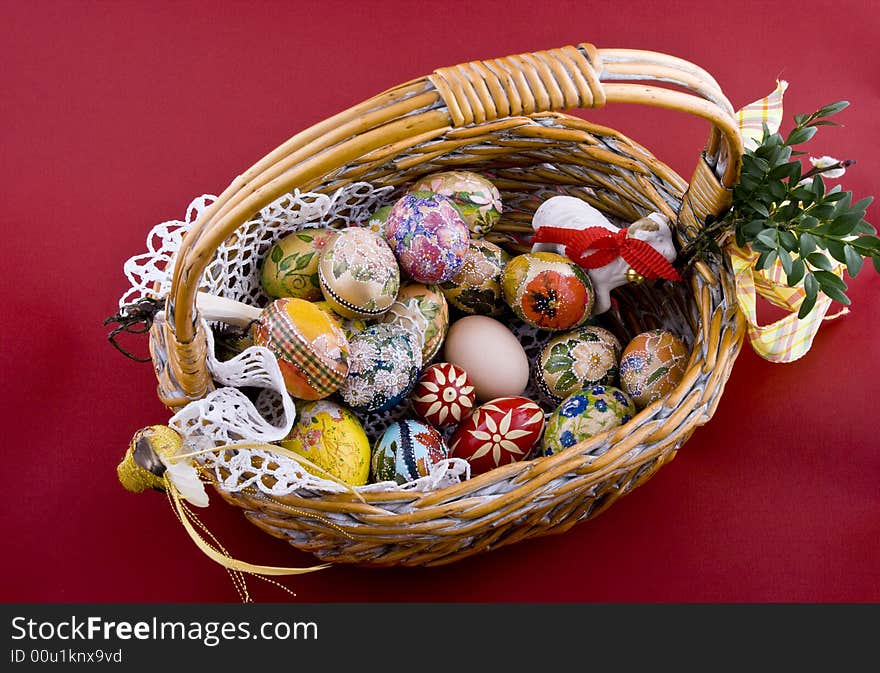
(115, 115)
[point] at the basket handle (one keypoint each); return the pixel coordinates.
(400, 118)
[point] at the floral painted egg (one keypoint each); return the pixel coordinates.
(581, 358)
(476, 288)
(383, 365)
(358, 273)
(584, 414)
(477, 199)
(548, 291)
(428, 236)
(652, 365)
(376, 221)
(406, 451)
(422, 310)
(501, 431)
(311, 349)
(331, 437)
(350, 326)
(443, 395)
(290, 269)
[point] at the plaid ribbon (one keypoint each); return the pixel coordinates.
(767, 110)
(790, 337)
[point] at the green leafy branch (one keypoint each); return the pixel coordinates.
(783, 212)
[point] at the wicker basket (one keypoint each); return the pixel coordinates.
(503, 117)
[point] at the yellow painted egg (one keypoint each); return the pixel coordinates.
(290, 268)
(422, 310)
(358, 273)
(476, 197)
(476, 288)
(548, 291)
(311, 349)
(350, 326)
(652, 365)
(331, 437)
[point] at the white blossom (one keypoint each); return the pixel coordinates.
(826, 161)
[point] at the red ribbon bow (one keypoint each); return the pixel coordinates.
(608, 246)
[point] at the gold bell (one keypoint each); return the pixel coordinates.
(634, 277)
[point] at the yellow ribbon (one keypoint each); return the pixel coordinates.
(790, 337)
(167, 444)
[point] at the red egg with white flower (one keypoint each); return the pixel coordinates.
(444, 395)
(499, 432)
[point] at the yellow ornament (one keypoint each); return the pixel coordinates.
(332, 437)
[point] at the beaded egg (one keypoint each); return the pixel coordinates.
(547, 291)
(331, 437)
(584, 414)
(428, 236)
(423, 310)
(311, 349)
(290, 268)
(383, 365)
(443, 395)
(584, 357)
(476, 197)
(476, 288)
(406, 451)
(358, 273)
(501, 431)
(652, 365)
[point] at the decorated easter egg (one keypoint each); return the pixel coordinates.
(581, 358)
(490, 353)
(428, 236)
(332, 437)
(443, 395)
(476, 288)
(290, 268)
(476, 197)
(358, 273)
(311, 349)
(584, 414)
(652, 365)
(548, 291)
(349, 326)
(383, 365)
(501, 431)
(407, 450)
(423, 310)
(376, 221)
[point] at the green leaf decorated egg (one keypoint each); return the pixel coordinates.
(584, 357)
(290, 267)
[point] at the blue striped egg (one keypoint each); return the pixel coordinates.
(406, 451)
